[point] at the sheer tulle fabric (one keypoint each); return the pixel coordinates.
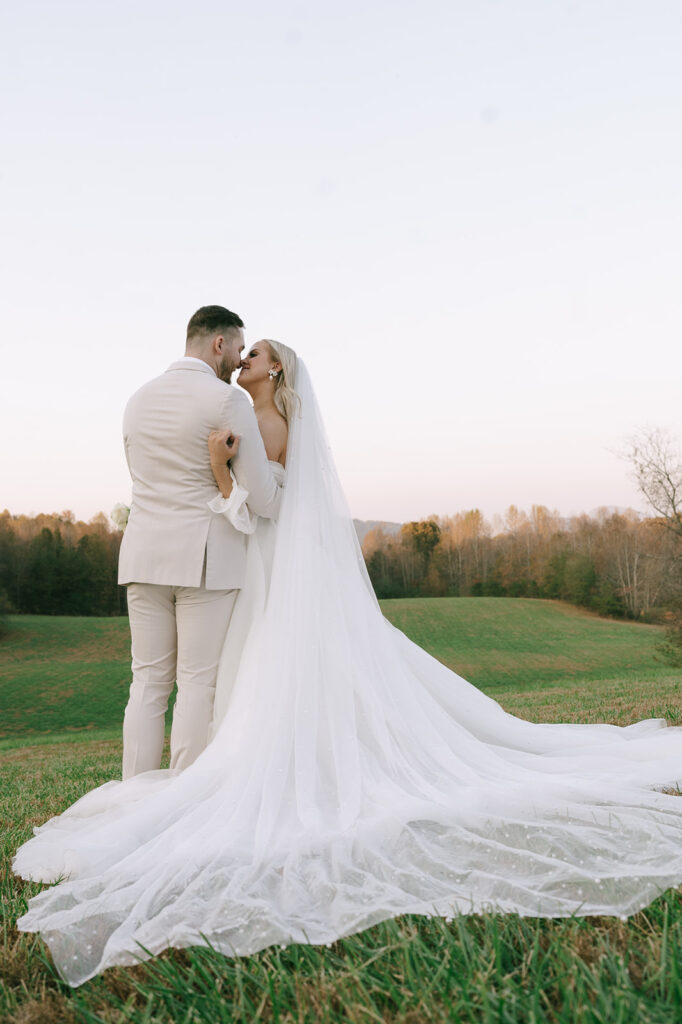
(352, 778)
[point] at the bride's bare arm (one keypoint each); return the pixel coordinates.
(222, 446)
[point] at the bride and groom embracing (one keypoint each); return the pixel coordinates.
(343, 775)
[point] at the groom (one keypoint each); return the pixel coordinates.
(184, 564)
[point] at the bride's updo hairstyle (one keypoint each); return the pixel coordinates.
(286, 399)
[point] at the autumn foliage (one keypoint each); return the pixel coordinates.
(616, 563)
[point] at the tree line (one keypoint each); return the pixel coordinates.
(57, 565)
(616, 563)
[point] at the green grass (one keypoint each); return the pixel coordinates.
(504, 644)
(540, 659)
(61, 675)
(545, 660)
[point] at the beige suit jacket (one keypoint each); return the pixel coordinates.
(165, 432)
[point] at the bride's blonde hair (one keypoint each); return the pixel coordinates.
(286, 399)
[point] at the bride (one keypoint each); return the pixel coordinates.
(267, 373)
(351, 777)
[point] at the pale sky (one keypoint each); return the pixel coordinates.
(465, 216)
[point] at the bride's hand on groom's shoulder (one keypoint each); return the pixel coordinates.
(223, 445)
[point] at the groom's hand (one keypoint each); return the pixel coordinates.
(223, 445)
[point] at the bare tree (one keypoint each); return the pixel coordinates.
(636, 555)
(657, 463)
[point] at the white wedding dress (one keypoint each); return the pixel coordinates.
(352, 778)
(252, 598)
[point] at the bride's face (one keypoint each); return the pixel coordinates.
(255, 364)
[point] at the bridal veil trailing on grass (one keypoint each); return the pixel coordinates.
(353, 778)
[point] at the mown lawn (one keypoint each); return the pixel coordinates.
(511, 644)
(545, 660)
(61, 675)
(540, 659)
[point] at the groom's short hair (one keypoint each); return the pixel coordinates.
(212, 320)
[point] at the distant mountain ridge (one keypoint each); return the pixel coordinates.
(363, 526)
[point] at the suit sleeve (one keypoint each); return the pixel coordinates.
(126, 428)
(250, 466)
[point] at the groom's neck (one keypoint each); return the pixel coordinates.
(194, 354)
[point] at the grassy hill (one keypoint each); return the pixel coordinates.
(546, 660)
(542, 659)
(60, 674)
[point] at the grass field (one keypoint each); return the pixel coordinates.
(62, 676)
(63, 685)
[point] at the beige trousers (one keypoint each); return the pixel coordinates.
(176, 633)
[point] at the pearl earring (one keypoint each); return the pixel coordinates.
(272, 374)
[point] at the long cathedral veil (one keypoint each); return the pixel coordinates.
(353, 778)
